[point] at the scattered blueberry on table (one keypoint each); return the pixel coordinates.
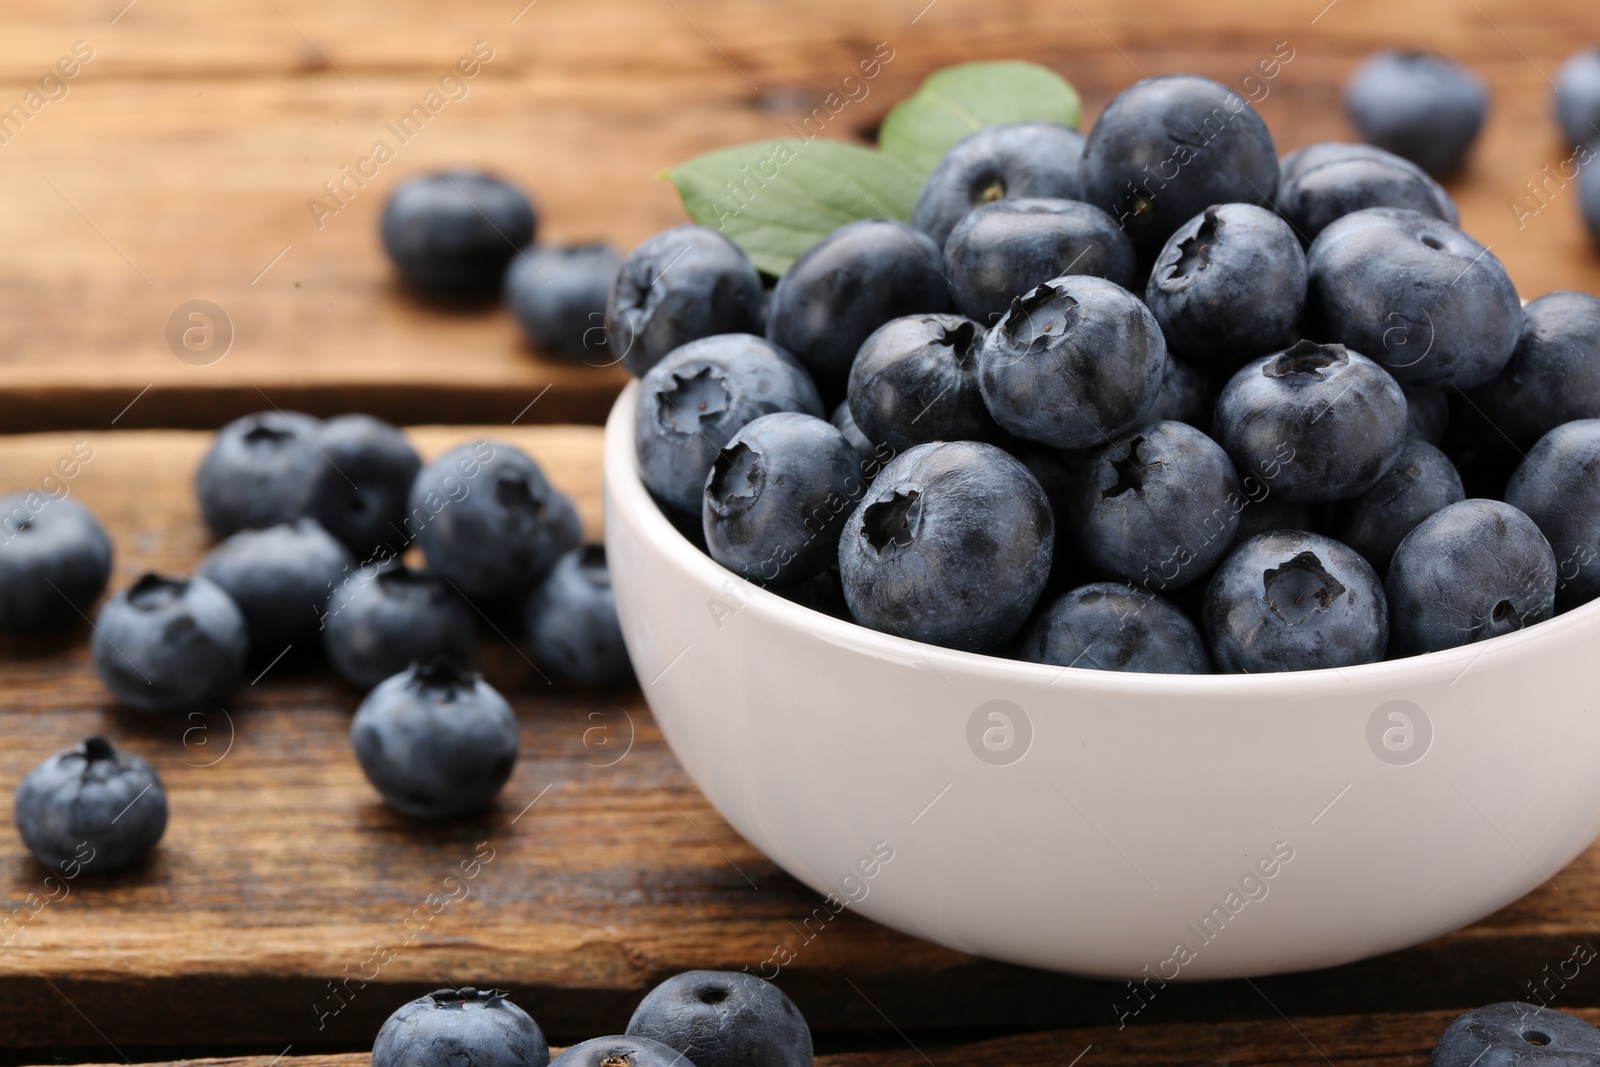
(724, 1019)
(480, 1027)
(168, 643)
(1420, 105)
(451, 234)
(571, 618)
(378, 622)
(1515, 1034)
(91, 808)
(55, 560)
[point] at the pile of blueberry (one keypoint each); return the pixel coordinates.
(1153, 399)
(314, 517)
(720, 1018)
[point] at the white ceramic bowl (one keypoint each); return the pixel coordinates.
(1099, 824)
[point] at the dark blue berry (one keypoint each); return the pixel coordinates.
(1265, 511)
(255, 473)
(377, 624)
(1431, 305)
(845, 423)
(169, 642)
(1294, 601)
(1420, 483)
(1553, 376)
(1556, 486)
(1157, 506)
(1228, 286)
(435, 742)
(55, 559)
(1577, 96)
(681, 285)
(1075, 362)
(460, 1028)
(1168, 147)
(848, 284)
(451, 234)
(621, 1051)
(693, 401)
(1316, 422)
(777, 497)
(724, 1019)
(572, 623)
(357, 487)
(951, 545)
(488, 520)
(1008, 161)
(1513, 1034)
(280, 578)
(1425, 107)
(1469, 572)
(1427, 415)
(916, 380)
(90, 808)
(1001, 250)
(1186, 395)
(1110, 626)
(1327, 181)
(559, 295)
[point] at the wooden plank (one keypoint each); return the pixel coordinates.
(286, 904)
(1378, 1040)
(180, 163)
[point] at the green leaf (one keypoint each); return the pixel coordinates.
(776, 199)
(959, 100)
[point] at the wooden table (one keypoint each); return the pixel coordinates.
(179, 166)
(182, 160)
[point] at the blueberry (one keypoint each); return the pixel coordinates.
(1294, 601)
(1425, 107)
(1427, 415)
(1076, 361)
(1008, 161)
(169, 642)
(436, 742)
(451, 234)
(1109, 626)
(1553, 376)
(1420, 483)
(693, 401)
(559, 295)
(1186, 395)
(848, 284)
(1228, 286)
(1157, 506)
(1577, 96)
(777, 497)
(280, 578)
(1316, 422)
(357, 488)
(255, 472)
(377, 623)
(845, 423)
(1513, 1034)
(1327, 181)
(1168, 147)
(951, 545)
(489, 522)
(476, 1027)
(621, 1051)
(1265, 511)
(724, 1019)
(679, 286)
(572, 621)
(1589, 198)
(1556, 487)
(90, 807)
(1429, 303)
(1001, 250)
(55, 559)
(1469, 572)
(916, 380)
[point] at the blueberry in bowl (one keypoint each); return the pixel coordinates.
(1008, 161)
(1115, 626)
(915, 380)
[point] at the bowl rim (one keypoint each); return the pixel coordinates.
(625, 491)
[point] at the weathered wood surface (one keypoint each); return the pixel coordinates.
(180, 162)
(283, 883)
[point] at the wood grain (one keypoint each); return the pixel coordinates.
(287, 905)
(180, 163)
